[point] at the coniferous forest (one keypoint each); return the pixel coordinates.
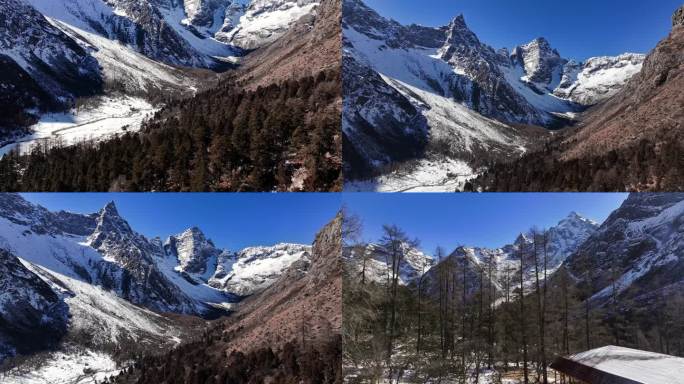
(452, 324)
(645, 166)
(283, 137)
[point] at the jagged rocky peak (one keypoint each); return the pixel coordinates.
(642, 242)
(459, 39)
(109, 223)
(539, 59)
(678, 17)
(192, 249)
(203, 12)
(575, 219)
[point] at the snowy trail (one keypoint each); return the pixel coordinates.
(105, 119)
(424, 175)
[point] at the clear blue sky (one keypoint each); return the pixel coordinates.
(232, 221)
(489, 220)
(577, 28)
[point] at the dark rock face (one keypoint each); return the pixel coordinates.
(539, 60)
(375, 117)
(193, 251)
(32, 316)
(42, 67)
(642, 243)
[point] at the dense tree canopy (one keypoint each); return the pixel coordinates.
(276, 138)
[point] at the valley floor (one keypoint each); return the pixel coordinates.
(444, 175)
(73, 367)
(99, 119)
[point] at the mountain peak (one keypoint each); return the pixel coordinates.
(678, 17)
(458, 23)
(110, 209)
(541, 40)
(194, 230)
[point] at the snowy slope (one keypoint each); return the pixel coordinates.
(640, 246)
(63, 367)
(99, 119)
(254, 269)
(262, 21)
(376, 259)
(598, 78)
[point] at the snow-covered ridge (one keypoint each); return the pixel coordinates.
(262, 21)
(598, 78)
(185, 274)
(638, 247)
(254, 269)
(374, 264)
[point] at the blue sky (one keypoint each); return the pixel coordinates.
(577, 28)
(232, 221)
(490, 220)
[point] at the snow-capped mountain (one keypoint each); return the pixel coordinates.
(415, 93)
(562, 241)
(197, 255)
(640, 247)
(33, 316)
(374, 264)
(253, 25)
(173, 276)
(254, 269)
(68, 277)
(598, 78)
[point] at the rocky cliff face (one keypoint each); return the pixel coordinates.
(678, 17)
(196, 254)
(637, 251)
(32, 316)
(541, 62)
(47, 70)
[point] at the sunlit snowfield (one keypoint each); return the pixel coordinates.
(100, 119)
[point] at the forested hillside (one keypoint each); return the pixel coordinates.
(645, 166)
(283, 137)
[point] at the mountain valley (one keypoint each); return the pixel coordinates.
(105, 294)
(442, 107)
